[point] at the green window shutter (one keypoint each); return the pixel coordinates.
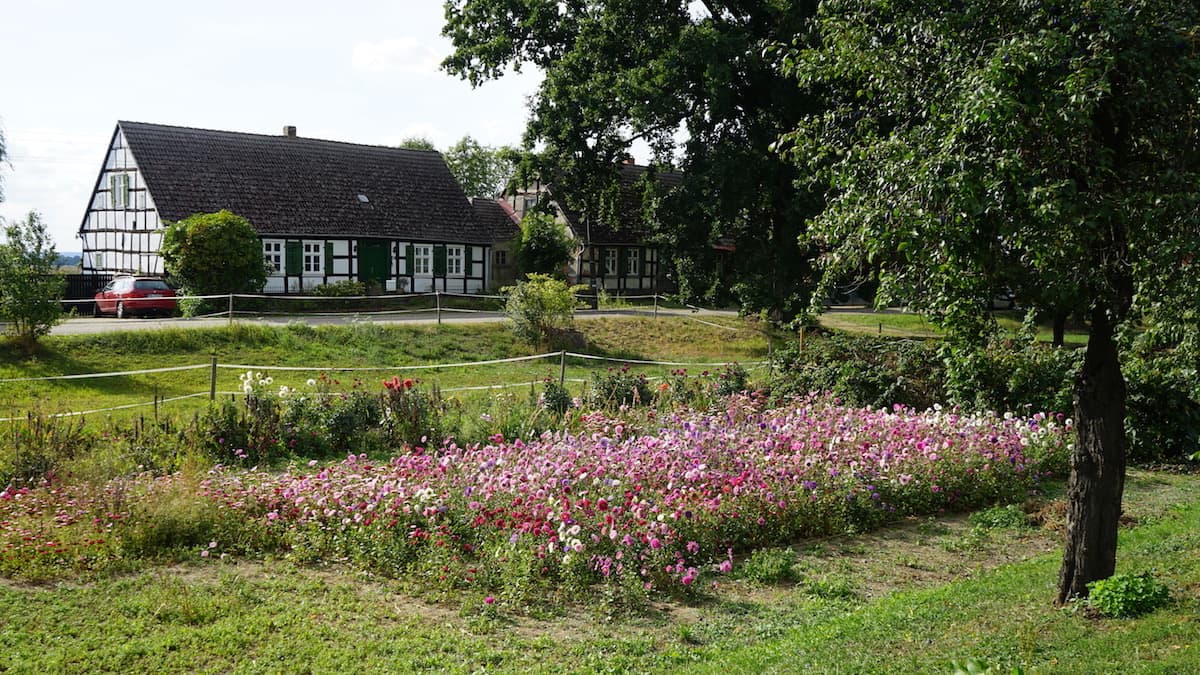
(439, 260)
(621, 255)
(329, 257)
(409, 259)
(293, 258)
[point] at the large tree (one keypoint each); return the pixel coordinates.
(973, 141)
(696, 83)
(481, 170)
(210, 253)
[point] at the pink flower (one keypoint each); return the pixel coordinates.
(489, 600)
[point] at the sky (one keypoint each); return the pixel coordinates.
(353, 70)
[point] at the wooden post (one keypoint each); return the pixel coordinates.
(212, 380)
(656, 305)
(437, 296)
(231, 309)
(562, 368)
(156, 403)
(801, 339)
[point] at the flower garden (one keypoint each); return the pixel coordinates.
(630, 502)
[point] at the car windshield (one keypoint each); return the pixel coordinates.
(151, 285)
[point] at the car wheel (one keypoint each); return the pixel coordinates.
(121, 310)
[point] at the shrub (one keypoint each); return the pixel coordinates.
(415, 417)
(544, 248)
(35, 449)
(540, 305)
(214, 253)
(615, 388)
(1162, 410)
(1010, 516)
(1127, 595)
(769, 566)
(29, 290)
(341, 289)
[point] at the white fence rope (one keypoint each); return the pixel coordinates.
(430, 366)
(662, 363)
(116, 407)
(122, 373)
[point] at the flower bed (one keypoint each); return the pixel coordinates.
(644, 510)
(632, 509)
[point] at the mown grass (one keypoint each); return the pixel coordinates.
(905, 324)
(363, 345)
(889, 602)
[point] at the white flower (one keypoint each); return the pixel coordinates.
(311, 382)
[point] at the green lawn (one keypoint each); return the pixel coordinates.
(358, 346)
(905, 324)
(912, 598)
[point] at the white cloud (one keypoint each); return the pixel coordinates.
(402, 54)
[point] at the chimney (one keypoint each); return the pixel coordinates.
(289, 131)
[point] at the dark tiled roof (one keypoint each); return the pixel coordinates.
(629, 228)
(303, 186)
(492, 215)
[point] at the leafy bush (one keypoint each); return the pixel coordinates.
(769, 566)
(1127, 595)
(1010, 516)
(544, 248)
(210, 253)
(555, 397)
(29, 289)
(1162, 410)
(861, 370)
(36, 448)
(616, 388)
(539, 305)
(341, 289)
(413, 416)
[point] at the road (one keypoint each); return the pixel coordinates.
(91, 325)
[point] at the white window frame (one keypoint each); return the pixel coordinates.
(610, 262)
(314, 257)
(273, 254)
(422, 259)
(118, 188)
(633, 262)
(454, 261)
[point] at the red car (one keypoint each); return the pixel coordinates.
(126, 296)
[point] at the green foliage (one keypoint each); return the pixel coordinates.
(618, 71)
(214, 253)
(619, 387)
(1163, 407)
(341, 289)
(545, 247)
(1008, 516)
(37, 448)
(417, 143)
(1124, 596)
(769, 566)
(29, 290)
(539, 305)
(416, 417)
(555, 397)
(481, 170)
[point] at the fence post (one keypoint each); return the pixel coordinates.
(656, 305)
(562, 368)
(437, 296)
(212, 380)
(231, 309)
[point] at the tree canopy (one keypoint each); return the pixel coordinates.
(972, 143)
(417, 143)
(693, 81)
(210, 253)
(481, 170)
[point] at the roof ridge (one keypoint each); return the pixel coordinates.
(122, 123)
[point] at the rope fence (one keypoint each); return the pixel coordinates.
(214, 367)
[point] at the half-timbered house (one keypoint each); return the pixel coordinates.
(611, 253)
(326, 211)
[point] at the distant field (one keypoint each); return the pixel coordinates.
(905, 324)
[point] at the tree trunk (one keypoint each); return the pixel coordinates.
(1060, 330)
(1097, 464)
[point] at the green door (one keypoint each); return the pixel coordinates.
(374, 261)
